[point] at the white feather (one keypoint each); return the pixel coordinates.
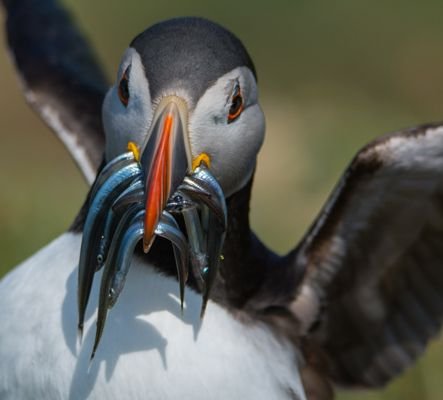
(69, 138)
(127, 123)
(148, 351)
(233, 147)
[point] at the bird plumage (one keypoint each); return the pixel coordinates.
(149, 350)
(373, 258)
(355, 303)
(61, 78)
(175, 53)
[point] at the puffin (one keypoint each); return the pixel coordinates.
(159, 289)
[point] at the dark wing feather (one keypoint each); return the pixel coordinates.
(372, 295)
(61, 78)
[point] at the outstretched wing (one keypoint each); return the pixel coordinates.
(61, 78)
(372, 294)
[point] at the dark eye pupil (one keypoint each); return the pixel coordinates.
(236, 105)
(123, 87)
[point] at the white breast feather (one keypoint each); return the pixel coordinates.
(148, 350)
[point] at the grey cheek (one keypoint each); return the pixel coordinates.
(218, 119)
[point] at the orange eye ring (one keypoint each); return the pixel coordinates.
(123, 87)
(237, 105)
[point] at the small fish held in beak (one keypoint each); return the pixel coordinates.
(115, 224)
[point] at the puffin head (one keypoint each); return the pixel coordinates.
(198, 77)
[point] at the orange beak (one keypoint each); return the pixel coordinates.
(166, 160)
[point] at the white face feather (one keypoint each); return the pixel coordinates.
(127, 123)
(232, 146)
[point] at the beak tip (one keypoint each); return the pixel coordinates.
(147, 243)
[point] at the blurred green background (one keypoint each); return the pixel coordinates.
(333, 75)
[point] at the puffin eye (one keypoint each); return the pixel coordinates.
(236, 105)
(123, 87)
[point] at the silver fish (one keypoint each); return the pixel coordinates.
(93, 231)
(130, 232)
